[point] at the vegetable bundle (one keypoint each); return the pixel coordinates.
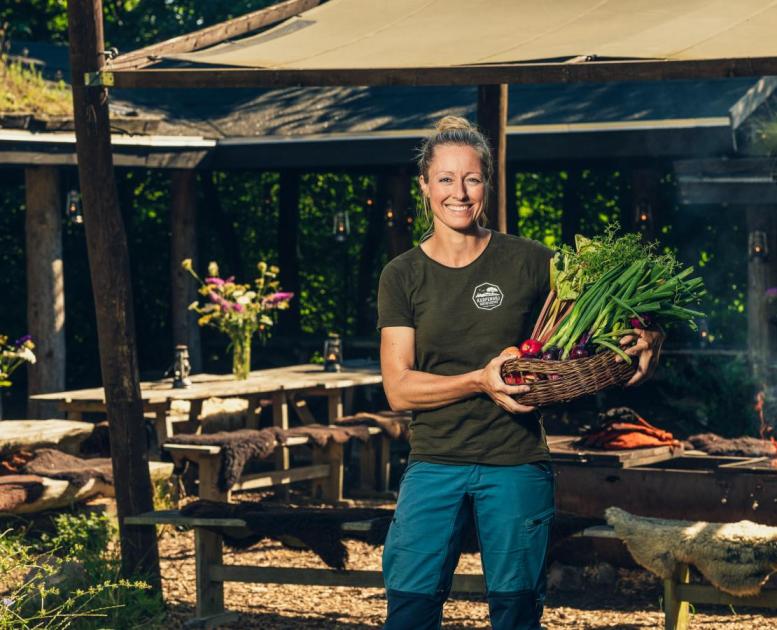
(605, 288)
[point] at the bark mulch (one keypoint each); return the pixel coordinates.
(633, 603)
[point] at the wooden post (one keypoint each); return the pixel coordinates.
(645, 201)
(393, 193)
(288, 249)
(511, 201)
(758, 229)
(492, 120)
(572, 206)
(223, 225)
(183, 244)
(110, 274)
(45, 287)
(365, 283)
(676, 611)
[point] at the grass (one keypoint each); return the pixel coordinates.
(23, 90)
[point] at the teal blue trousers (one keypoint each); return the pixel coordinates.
(512, 508)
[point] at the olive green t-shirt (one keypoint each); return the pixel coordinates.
(464, 317)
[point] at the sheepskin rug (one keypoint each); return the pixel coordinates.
(736, 558)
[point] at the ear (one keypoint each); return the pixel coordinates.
(424, 186)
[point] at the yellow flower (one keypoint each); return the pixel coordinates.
(262, 267)
(204, 320)
(213, 269)
(186, 263)
(193, 305)
(274, 269)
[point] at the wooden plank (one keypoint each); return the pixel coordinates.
(192, 449)
(759, 223)
(45, 285)
(564, 451)
(212, 621)
(708, 594)
(65, 435)
(595, 71)
(462, 582)
(112, 290)
(282, 477)
(676, 611)
(208, 550)
(215, 34)
(174, 517)
(492, 121)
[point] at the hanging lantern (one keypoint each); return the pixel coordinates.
(704, 332)
(409, 219)
(643, 214)
(341, 227)
(73, 207)
(333, 353)
(388, 214)
(757, 244)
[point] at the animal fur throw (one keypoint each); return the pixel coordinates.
(49, 462)
(713, 444)
(321, 433)
(319, 530)
(16, 490)
(237, 448)
(736, 558)
(395, 424)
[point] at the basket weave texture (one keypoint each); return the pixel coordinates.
(577, 377)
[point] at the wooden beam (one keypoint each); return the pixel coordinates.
(596, 72)
(183, 244)
(759, 224)
(288, 249)
(110, 274)
(45, 287)
(492, 120)
(211, 35)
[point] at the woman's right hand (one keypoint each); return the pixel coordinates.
(491, 383)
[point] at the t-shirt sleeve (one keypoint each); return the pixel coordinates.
(394, 307)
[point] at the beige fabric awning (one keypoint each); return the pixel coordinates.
(363, 34)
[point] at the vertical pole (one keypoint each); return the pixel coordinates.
(393, 191)
(757, 283)
(492, 120)
(288, 249)
(183, 244)
(365, 310)
(110, 274)
(645, 200)
(511, 201)
(572, 206)
(45, 286)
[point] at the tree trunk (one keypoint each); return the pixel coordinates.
(288, 249)
(110, 273)
(492, 120)
(45, 287)
(183, 244)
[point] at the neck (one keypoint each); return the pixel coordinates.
(454, 248)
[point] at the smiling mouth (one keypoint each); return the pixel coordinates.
(458, 208)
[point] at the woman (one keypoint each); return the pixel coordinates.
(445, 308)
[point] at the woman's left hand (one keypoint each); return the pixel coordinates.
(647, 350)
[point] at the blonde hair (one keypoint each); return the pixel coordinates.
(454, 130)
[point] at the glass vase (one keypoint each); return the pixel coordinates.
(241, 355)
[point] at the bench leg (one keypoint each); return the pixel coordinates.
(384, 470)
(331, 488)
(210, 594)
(367, 464)
(209, 479)
(676, 612)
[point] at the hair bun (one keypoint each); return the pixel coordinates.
(446, 123)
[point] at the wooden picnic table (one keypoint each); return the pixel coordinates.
(285, 386)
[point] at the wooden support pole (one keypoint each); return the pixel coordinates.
(572, 209)
(758, 333)
(45, 287)
(183, 244)
(366, 281)
(288, 249)
(492, 120)
(393, 192)
(645, 201)
(110, 274)
(511, 201)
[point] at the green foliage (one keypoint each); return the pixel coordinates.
(70, 579)
(24, 90)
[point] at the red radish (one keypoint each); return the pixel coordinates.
(531, 348)
(513, 379)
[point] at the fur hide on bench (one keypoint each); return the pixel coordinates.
(736, 558)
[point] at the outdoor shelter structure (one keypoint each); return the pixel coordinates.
(489, 43)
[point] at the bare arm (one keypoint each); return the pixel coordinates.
(408, 389)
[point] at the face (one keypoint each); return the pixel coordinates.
(456, 188)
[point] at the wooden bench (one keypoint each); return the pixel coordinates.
(211, 572)
(679, 593)
(326, 471)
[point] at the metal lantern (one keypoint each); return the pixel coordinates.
(756, 243)
(73, 207)
(181, 368)
(389, 213)
(333, 353)
(341, 227)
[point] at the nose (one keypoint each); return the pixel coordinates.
(460, 192)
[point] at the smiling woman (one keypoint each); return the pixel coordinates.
(445, 309)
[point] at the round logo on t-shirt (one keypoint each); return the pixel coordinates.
(487, 296)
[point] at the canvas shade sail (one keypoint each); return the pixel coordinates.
(375, 34)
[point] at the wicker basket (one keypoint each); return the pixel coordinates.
(578, 377)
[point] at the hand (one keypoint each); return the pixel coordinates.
(491, 383)
(647, 348)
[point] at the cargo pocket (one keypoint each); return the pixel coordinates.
(537, 528)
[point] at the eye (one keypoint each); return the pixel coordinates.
(474, 180)
(445, 180)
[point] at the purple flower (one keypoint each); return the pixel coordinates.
(275, 298)
(22, 340)
(217, 281)
(215, 297)
(771, 292)
(238, 308)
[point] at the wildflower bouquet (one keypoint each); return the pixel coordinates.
(14, 355)
(239, 310)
